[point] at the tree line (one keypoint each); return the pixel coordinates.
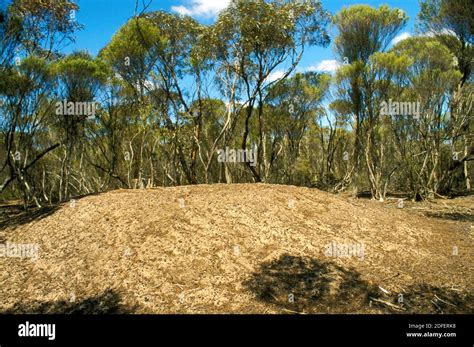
(169, 94)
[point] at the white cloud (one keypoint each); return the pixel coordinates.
(445, 31)
(202, 8)
(325, 66)
(275, 75)
(401, 37)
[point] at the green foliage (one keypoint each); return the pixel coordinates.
(364, 30)
(128, 52)
(452, 23)
(172, 92)
(42, 23)
(256, 36)
(81, 75)
(432, 66)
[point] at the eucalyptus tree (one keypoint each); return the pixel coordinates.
(10, 36)
(421, 69)
(35, 30)
(452, 23)
(153, 55)
(293, 104)
(79, 78)
(252, 41)
(27, 114)
(362, 32)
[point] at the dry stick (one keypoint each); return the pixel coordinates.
(455, 289)
(390, 277)
(441, 196)
(284, 309)
(439, 308)
(387, 303)
(291, 311)
(443, 301)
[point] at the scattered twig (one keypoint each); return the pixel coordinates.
(390, 277)
(439, 308)
(291, 311)
(388, 304)
(455, 289)
(441, 196)
(443, 301)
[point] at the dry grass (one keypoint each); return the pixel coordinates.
(239, 249)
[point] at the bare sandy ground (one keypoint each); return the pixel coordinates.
(241, 249)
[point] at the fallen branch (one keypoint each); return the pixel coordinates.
(390, 277)
(441, 196)
(439, 308)
(291, 311)
(443, 301)
(388, 304)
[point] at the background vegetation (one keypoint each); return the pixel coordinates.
(171, 92)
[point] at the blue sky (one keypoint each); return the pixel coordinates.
(102, 18)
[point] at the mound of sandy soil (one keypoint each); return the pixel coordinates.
(237, 249)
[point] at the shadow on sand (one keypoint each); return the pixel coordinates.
(305, 285)
(109, 302)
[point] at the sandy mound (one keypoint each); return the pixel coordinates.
(237, 248)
